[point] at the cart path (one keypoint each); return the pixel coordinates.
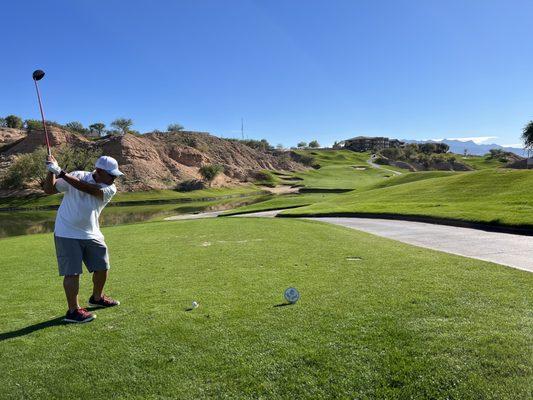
(501, 248)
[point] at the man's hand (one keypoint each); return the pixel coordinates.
(52, 166)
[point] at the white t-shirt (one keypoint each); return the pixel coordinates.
(77, 217)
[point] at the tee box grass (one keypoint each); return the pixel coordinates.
(376, 318)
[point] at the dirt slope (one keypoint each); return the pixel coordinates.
(162, 160)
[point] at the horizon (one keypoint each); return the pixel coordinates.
(406, 69)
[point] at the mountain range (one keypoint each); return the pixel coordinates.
(459, 147)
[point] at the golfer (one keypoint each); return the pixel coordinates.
(77, 232)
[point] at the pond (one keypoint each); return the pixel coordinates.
(16, 223)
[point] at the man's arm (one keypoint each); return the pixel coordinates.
(50, 184)
(89, 188)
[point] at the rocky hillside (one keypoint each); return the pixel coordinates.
(157, 160)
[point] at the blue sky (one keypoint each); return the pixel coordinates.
(293, 69)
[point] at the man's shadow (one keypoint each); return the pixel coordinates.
(37, 327)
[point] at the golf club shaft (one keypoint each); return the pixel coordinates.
(44, 121)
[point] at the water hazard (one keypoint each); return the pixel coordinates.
(16, 223)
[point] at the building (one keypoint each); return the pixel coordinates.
(364, 143)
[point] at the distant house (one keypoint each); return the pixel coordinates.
(364, 143)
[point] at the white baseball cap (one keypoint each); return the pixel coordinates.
(109, 165)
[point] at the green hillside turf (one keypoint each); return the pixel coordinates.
(489, 196)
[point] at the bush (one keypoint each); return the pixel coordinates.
(12, 121)
(72, 158)
(210, 172)
(26, 168)
(175, 128)
(190, 185)
(122, 124)
(76, 127)
(37, 125)
(304, 159)
(261, 145)
(30, 167)
(392, 153)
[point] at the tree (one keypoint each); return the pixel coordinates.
(3, 123)
(301, 145)
(175, 128)
(279, 146)
(76, 126)
(13, 121)
(210, 172)
(527, 135)
(97, 127)
(314, 144)
(122, 124)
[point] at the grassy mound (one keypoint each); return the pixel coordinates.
(339, 169)
(377, 319)
(488, 196)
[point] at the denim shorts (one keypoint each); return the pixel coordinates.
(71, 252)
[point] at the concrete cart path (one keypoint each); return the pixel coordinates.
(502, 248)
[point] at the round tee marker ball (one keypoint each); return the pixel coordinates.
(291, 295)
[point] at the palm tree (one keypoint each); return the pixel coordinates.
(527, 137)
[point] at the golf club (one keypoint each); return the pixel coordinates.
(37, 76)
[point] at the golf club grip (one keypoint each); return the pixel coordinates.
(49, 151)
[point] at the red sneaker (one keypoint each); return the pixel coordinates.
(103, 302)
(79, 316)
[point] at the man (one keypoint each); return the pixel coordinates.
(77, 232)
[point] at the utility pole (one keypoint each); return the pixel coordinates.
(242, 128)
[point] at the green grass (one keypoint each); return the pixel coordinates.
(489, 196)
(403, 322)
(35, 202)
(480, 162)
(282, 201)
(338, 170)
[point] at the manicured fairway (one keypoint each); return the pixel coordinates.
(503, 197)
(377, 319)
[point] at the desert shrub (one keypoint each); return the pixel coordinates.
(381, 161)
(76, 127)
(37, 125)
(123, 125)
(261, 145)
(30, 167)
(13, 121)
(26, 168)
(392, 153)
(175, 128)
(304, 159)
(209, 172)
(72, 158)
(190, 185)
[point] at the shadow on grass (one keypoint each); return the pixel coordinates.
(32, 328)
(283, 304)
(37, 327)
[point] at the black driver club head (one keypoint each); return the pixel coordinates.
(38, 75)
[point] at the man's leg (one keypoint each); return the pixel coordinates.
(99, 278)
(71, 284)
